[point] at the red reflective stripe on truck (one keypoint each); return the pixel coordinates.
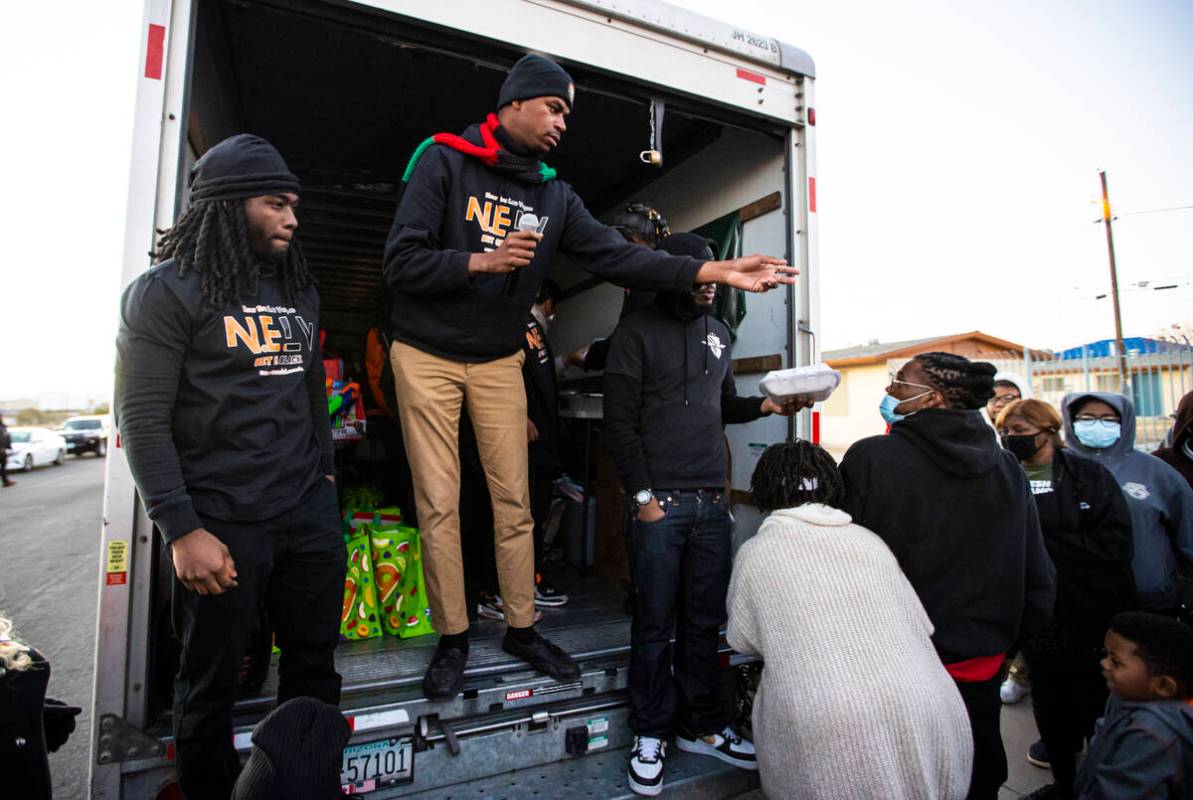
(815, 427)
(752, 77)
(812, 195)
(154, 51)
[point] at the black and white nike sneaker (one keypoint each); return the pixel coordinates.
(726, 745)
(545, 593)
(646, 765)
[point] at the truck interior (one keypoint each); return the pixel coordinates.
(346, 94)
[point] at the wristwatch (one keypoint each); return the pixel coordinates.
(643, 497)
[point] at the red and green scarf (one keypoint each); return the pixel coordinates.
(524, 169)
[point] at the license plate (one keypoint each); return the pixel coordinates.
(373, 765)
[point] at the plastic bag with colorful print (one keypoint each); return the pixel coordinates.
(359, 618)
(401, 589)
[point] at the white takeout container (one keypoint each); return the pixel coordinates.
(816, 381)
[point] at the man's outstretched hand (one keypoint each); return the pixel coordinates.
(756, 273)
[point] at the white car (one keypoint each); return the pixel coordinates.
(33, 447)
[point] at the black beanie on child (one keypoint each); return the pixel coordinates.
(296, 755)
(241, 166)
(535, 76)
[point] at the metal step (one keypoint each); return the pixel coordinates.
(602, 776)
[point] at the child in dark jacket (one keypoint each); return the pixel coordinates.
(1143, 745)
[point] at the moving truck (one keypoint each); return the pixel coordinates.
(346, 91)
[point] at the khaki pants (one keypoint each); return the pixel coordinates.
(430, 391)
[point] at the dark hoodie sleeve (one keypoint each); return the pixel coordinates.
(1039, 583)
(605, 253)
(154, 333)
(855, 472)
(414, 261)
(1178, 514)
(622, 428)
(734, 408)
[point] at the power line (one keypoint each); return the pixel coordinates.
(1147, 211)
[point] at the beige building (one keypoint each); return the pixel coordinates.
(852, 411)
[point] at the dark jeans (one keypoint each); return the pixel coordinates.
(989, 757)
(681, 566)
(294, 565)
(1068, 694)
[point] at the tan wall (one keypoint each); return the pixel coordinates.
(852, 411)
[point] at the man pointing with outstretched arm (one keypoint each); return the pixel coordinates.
(461, 271)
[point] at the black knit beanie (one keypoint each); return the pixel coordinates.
(296, 755)
(241, 166)
(688, 244)
(535, 76)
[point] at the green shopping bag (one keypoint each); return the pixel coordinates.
(401, 588)
(360, 617)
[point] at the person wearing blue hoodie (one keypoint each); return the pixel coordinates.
(1101, 426)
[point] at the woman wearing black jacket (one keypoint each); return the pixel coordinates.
(1087, 532)
(31, 724)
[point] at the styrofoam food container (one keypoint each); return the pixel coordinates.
(816, 381)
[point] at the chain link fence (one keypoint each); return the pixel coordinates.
(1155, 377)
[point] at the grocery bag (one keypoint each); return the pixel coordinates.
(360, 617)
(401, 588)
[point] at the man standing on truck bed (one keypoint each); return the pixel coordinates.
(480, 219)
(669, 389)
(222, 411)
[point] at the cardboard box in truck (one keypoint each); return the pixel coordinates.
(346, 91)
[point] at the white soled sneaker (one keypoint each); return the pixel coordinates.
(646, 765)
(1011, 691)
(726, 745)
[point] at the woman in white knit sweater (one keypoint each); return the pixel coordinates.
(853, 702)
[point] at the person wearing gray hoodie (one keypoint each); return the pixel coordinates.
(1101, 426)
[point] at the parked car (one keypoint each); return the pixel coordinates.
(33, 447)
(86, 435)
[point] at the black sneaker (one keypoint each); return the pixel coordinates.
(1037, 755)
(545, 593)
(727, 745)
(445, 675)
(646, 765)
(490, 606)
(1049, 792)
(543, 656)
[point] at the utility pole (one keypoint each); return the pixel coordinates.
(1118, 317)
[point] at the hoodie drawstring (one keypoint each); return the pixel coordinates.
(683, 336)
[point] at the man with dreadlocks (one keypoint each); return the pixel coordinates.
(479, 222)
(222, 411)
(957, 511)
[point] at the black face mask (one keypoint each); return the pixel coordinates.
(1022, 447)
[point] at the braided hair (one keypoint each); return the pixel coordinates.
(643, 222)
(791, 474)
(966, 385)
(211, 237)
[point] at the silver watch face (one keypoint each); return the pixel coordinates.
(643, 497)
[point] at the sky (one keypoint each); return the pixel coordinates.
(958, 148)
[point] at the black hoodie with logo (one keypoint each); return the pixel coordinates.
(957, 512)
(669, 388)
(222, 412)
(453, 206)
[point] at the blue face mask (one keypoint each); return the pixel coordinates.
(890, 402)
(1097, 433)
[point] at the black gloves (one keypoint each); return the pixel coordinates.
(59, 721)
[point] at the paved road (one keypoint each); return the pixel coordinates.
(49, 576)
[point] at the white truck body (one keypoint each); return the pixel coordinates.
(742, 103)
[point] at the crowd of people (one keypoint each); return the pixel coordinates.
(884, 595)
